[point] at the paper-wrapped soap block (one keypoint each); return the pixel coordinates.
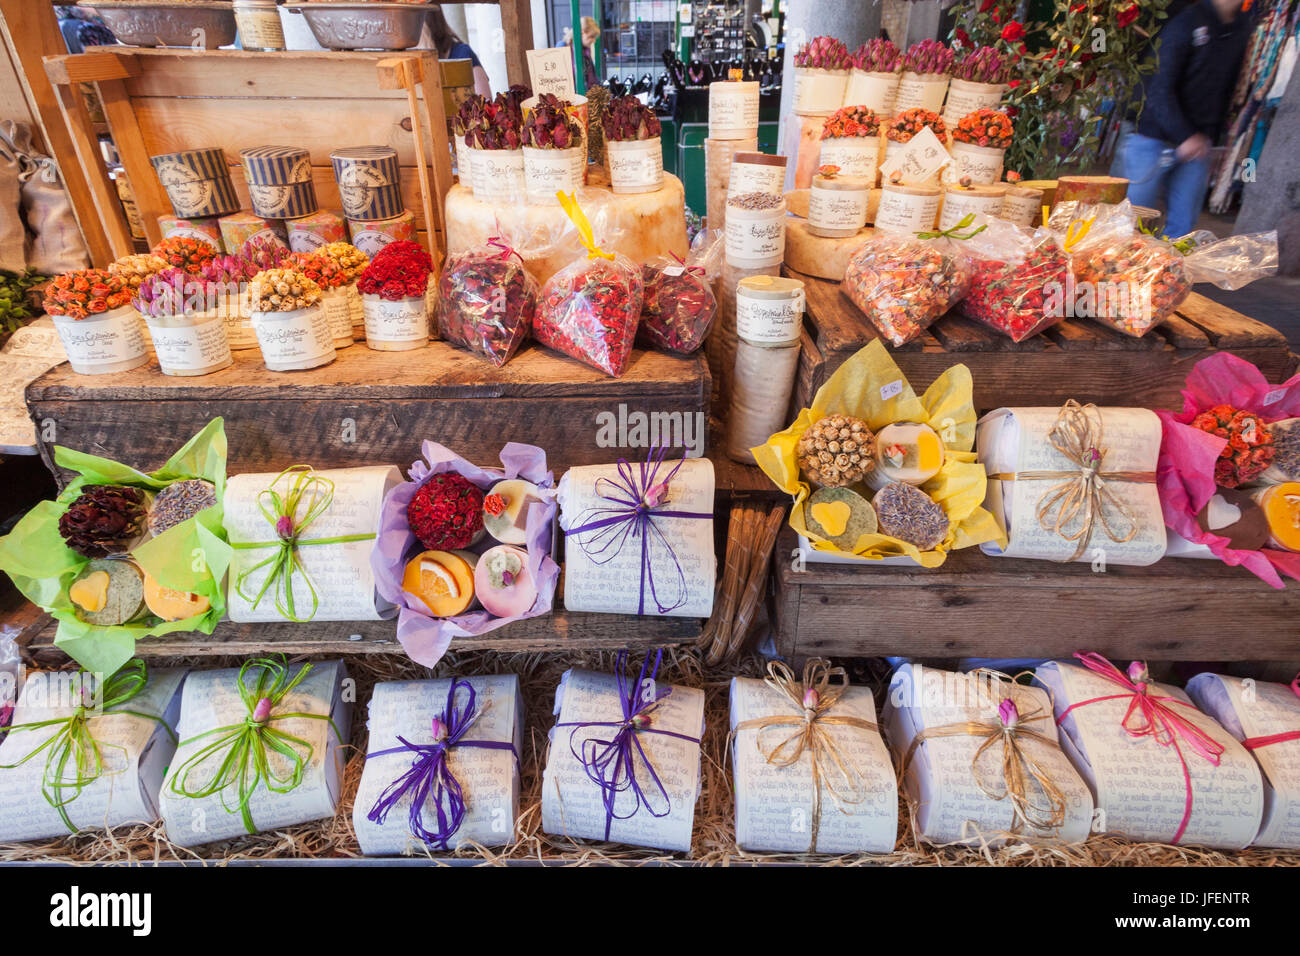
(339, 572)
(589, 708)
(135, 749)
(606, 567)
(1141, 786)
(943, 777)
(1265, 717)
(210, 707)
(1026, 470)
(775, 810)
(482, 761)
(203, 230)
(309, 233)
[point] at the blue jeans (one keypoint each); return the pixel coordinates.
(1154, 174)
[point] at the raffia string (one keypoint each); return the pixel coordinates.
(812, 700)
(74, 759)
(951, 233)
(1017, 766)
(1073, 507)
(1254, 743)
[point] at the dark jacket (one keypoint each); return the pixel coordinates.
(1199, 59)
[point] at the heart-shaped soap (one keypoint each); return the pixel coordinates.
(833, 516)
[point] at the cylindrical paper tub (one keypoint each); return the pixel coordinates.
(190, 344)
(720, 346)
(319, 229)
(259, 25)
(337, 304)
(1091, 189)
(103, 343)
(719, 157)
(1022, 205)
(636, 166)
(357, 309)
(754, 172)
(923, 90)
(578, 109)
(965, 97)
(369, 181)
(818, 92)
(279, 181)
(803, 146)
(983, 164)
(769, 310)
(548, 171)
(856, 156)
(755, 237)
(498, 174)
(294, 340)
(290, 201)
(874, 90)
(370, 237)
(1046, 186)
(464, 162)
(244, 227)
(231, 306)
(984, 202)
(837, 207)
(907, 208)
(197, 182)
(762, 382)
(204, 230)
(733, 109)
(396, 326)
(893, 147)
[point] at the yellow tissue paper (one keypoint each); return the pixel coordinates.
(870, 386)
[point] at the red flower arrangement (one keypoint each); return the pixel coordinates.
(322, 270)
(985, 127)
(446, 512)
(909, 122)
(851, 121)
(398, 271)
(1126, 16)
(1250, 443)
(1014, 31)
(87, 292)
(182, 252)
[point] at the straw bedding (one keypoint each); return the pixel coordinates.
(713, 842)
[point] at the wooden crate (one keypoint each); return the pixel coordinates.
(1077, 358)
(980, 606)
(367, 407)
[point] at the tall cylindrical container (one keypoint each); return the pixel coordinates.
(769, 320)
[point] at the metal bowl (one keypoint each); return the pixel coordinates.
(364, 26)
(206, 24)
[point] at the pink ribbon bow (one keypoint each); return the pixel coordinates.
(1254, 743)
(690, 270)
(507, 250)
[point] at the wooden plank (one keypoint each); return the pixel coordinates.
(436, 110)
(1081, 334)
(517, 26)
(150, 197)
(958, 334)
(1227, 328)
(91, 67)
(1181, 334)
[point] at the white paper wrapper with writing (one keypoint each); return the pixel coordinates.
(188, 347)
(1014, 440)
(498, 173)
(774, 805)
(103, 339)
(769, 321)
(571, 802)
(340, 572)
(733, 109)
(293, 338)
(403, 320)
(548, 171)
(489, 778)
(211, 700)
(839, 209)
(983, 164)
(875, 91)
(906, 212)
(950, 804)
(135, 751)
(337, 304)
(756, 178)
(636, 164)
(958, 205)
(915, 90)
(854, 155)
(1138, 785)
(818, 92)
(1261, 709)
(614, 587)
(755, 238)
(1020, 209)
(965, 97)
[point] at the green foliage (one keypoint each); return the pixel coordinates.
(15, 309)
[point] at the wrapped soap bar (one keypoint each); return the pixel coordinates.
(1159, 769)
(903, 284)
(607, 511)
(45, 761)
(982, 761)
(309, 233)
(624, 758)
(811, 772)
(486, 301)
(442, 765)
(261, 748)
(1037, 458)
(241, 228)
(1017, 279)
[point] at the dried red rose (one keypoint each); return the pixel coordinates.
(446, 512)
(590, 310)
(1249, 449)
(487, 303)
(679, 307)
(104, 520)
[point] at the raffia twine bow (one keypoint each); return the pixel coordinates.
(241, 750)
(580, 222)
(689, 270)
(812, 699)
(966, 222)
(1017, 767)
(313, 494)
(1151, 716)
(429, 780)
(74, 759)
(1254, 743)
(612, 764)
(1073, 508)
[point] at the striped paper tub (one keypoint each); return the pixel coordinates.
(279, 181)
(369, 182)
(197, 183)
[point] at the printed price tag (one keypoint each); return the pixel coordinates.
(920, 158)
(551, 70)
(889, 391)
(1275, 396)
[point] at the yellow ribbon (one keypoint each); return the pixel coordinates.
(1076, 231)
(579, 219)
(830, 768)
(1081, 499)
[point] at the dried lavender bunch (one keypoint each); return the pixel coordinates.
(928, 57)
(550, 126)
(878, 56)
(628, 119)
(983, 65)
(824, 53)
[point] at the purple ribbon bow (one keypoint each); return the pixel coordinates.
(636, 496)
(611, 764)
(429, 779)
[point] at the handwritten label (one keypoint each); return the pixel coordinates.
(906, 212)
(548, 171)
(551, 70)
(202, 345)
(854, 155)
(983, 164)
(298, 339)
(916, 161)
(107, 339)
(769, 321)
(733, 108)
(843, 210)
(893, 388)
(755, 241)
(634, 165)
(756, 178)
(406, 320)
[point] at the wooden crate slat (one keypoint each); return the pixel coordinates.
(1078, 334)
(956, 333)
(1227, 328)
(1181, 334)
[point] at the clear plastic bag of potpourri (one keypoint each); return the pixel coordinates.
(487, 301)
(679, 308)
(590, 310)
(903, 284)
(1017, 279)
(1130, 283)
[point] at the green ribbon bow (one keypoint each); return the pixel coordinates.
(242, 747)
(73, 743)
(951, 233)
(281, 515)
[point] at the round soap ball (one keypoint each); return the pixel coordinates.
(108, 592)
(504, 585)
(836, 451)
(441, 580)
(170, 604)
(446, 512)
(907, 451)
(178, 501)
(839, 515)
(505, 510)
(906, 512)
(1281, 506)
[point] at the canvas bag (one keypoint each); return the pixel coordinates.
(13, 237)
(57, 246)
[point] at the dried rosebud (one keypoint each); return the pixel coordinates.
(640, 721)
(628, 119)
(262, 710)
(104, 520)
(811, 699)
(439, 730)
(1008, 713)
(1138, 673)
